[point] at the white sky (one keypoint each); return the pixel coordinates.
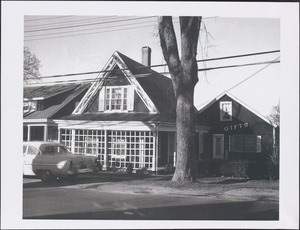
(232, 35)
(227, 37)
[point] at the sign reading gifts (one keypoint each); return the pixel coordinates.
(236, 126)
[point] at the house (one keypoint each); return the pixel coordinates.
(128, 115)
(42, 104)
(238, 133)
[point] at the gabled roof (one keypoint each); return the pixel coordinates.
(208, 104)
(46, 91)
(154, 89)
(157, 86)
(49, 112)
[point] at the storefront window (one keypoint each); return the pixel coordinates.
(244, 143)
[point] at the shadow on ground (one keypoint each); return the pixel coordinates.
(99, 177)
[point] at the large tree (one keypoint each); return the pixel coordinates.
(31, 66)
(184, 75)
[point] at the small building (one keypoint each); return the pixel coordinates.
(43, 104)
(238, 133)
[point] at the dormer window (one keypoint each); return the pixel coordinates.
(116, 98)
(31, 106)
(225, 111)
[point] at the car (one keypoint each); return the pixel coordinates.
(49, 160)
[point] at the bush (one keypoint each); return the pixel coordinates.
(234, 169)
(273, 171)
(129, 168)
(209, 168)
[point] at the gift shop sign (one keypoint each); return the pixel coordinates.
(236, 126)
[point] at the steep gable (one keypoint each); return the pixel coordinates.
(153, 92)
(210, 113)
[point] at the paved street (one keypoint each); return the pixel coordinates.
(72, 200)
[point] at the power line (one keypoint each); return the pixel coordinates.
(161, 65)
(137, 27)
(276, 60)
(72, 21)
(162, 73)
(89, 24)
(72, 35)
(89, 29)
(37, 19)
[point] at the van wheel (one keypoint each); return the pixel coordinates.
(46, 176)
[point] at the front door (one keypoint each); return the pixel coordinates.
(218, 146)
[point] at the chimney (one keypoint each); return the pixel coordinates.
(146, 56)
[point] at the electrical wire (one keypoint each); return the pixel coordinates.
(51, 17)
(276, 60)
(89, 24)
(93, 29)
(64, 22)
(162, 73)
(162, 65)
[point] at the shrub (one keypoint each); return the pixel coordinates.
(209, 168)
(129, 168)
(234, 169)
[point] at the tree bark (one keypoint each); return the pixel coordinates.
(184, 74)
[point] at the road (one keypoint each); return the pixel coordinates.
(68, 201)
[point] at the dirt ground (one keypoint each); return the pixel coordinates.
(218, 187)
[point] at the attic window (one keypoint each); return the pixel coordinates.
(225, 111)
(116, 98)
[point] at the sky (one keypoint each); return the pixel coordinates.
(64, 51)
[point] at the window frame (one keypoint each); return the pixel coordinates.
(125, 102)
(257, 143)
(222, 112)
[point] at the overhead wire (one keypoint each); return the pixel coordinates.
(276, 60)
(92, 29)
(161, 73)
(89, 24)
(161, 65)
(50, 17)
(64, 22)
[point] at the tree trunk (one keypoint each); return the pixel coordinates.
(184, 74)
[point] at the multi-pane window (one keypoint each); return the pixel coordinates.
(244, 143)
(225, 110)
(123, 147)
(85, 142)
(116, 98)
(134, 147)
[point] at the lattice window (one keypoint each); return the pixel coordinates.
(134, 147)
(87, 142)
